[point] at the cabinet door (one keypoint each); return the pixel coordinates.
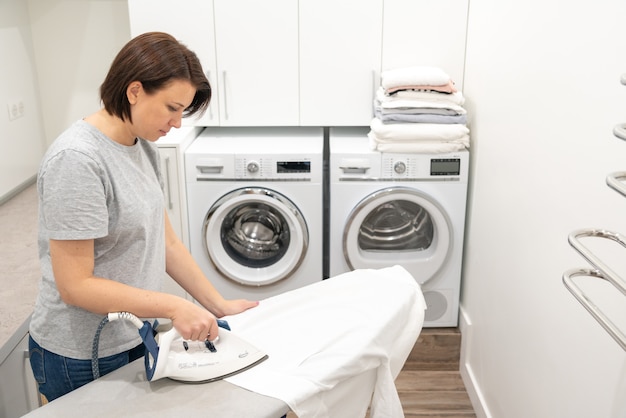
(18, 389)
(257, 55)
(169, 168)
(340, 58)
(426, 32)
(191, 22)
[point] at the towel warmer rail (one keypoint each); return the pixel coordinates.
(620, 131)
(616, 181)
(601, 317)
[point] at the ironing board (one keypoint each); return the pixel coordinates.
(127, 393)
(335, 348)
(336, 345)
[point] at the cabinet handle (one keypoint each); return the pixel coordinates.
(170, 204)
(225, 94)
(208, 76)
(374, 88)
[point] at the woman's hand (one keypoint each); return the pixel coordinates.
(235, 306)
(194, 323)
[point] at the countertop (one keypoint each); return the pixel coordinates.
(127, 392)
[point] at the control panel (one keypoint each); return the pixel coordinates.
(417, 166)
(268, 167)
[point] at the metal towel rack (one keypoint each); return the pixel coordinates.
(616, 181)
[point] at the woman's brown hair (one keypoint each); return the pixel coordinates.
(155, 59)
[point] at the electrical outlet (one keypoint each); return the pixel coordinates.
(16, 109)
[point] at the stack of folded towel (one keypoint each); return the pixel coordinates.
(418, 109)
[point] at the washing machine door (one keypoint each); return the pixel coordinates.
(255, 236)
(398, 225)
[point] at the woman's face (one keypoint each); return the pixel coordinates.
(153, 115)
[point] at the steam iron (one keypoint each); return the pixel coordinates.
(169, 355)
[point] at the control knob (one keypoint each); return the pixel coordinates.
(399, 167)
(252, 167)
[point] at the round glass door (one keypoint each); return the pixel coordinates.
(255, 236)
(401, 226)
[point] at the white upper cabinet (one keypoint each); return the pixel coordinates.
(340, 59)
(306, 62)
(248, 48)
(425, 32)
(191, 22)
(257, 58)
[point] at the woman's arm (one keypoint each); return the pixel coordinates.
(73, 267)
(181, 266)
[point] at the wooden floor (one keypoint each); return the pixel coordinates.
(430, 384)
(426, 393)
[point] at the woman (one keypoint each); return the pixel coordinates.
(105, 240)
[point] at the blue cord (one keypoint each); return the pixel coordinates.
(95, 368)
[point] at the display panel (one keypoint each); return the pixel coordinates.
(293, 167)
(445, 166)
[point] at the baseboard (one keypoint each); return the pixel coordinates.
(18, 189)
(467, 374)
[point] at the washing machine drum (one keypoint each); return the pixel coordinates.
(398, 225)
(255, 236)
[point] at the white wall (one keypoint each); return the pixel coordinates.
(543, 94)
(75, 42)
(55, 56)
(21, 140)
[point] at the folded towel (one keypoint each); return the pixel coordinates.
(419, 147)
(444, 88)
(417, 104)
(427, 96)
(390, 102)
(322, 335)
(423, 116)
(417, 111)
(417, 131)
(420, 75)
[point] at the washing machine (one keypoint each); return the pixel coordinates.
(399, 209)
(255, 206)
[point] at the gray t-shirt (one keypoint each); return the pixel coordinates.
(91, 187)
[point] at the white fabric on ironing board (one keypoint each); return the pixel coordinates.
(325, 334)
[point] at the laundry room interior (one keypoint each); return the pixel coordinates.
(544, 100)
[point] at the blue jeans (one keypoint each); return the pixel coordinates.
(57, 375)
